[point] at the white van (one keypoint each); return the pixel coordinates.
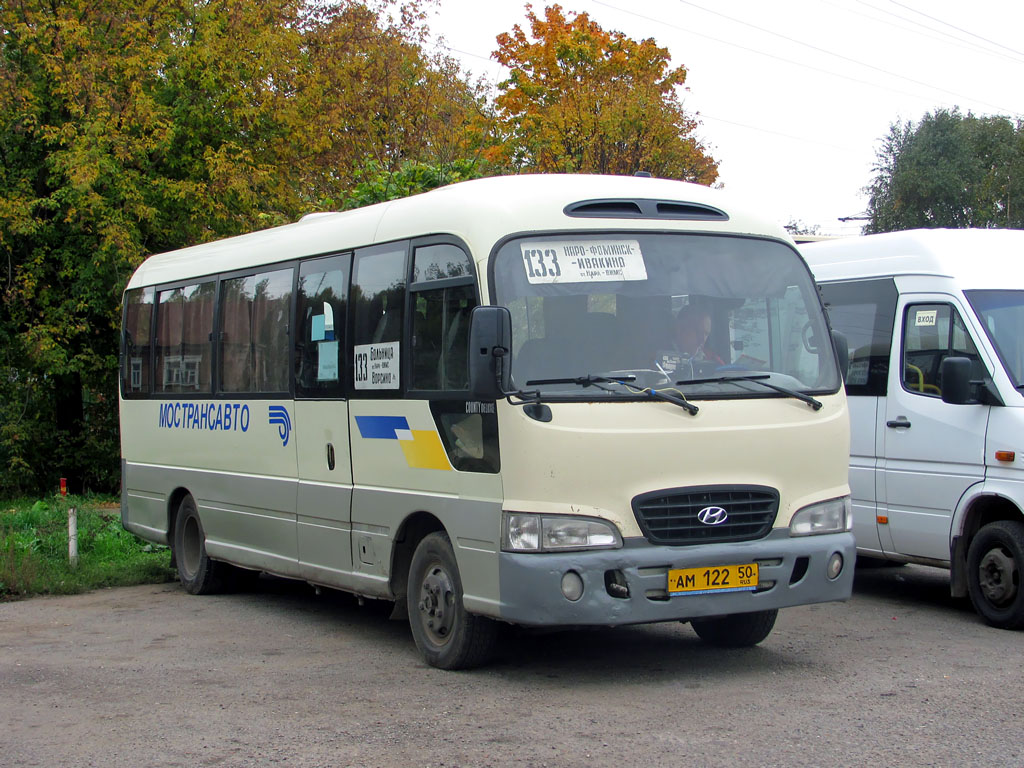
(935, 325)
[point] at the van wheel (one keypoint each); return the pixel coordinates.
(995, 560)
(447, 636)
(198, 573)
(738, 630)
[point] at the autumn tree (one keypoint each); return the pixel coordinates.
(582, 99)
(948, 170)
(129, 128)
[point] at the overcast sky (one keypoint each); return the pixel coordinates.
(793, 96)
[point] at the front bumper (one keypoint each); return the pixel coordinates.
(791, 572)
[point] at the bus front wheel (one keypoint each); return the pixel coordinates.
(738, 630)
(446, 635)
(995, 566)
(198, 573)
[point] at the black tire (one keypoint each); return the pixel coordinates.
(995, 561)
(447, 636)
(738, 630)
(198, 573)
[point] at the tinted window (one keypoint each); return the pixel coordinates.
(184, 328)
(864, 311)
(378, 295)
(440, 338)
(254, 332)
(137, 350)
(320, 341)
(438, 262)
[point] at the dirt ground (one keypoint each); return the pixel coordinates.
(151, 676)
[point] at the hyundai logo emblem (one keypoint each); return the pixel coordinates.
(712, 515)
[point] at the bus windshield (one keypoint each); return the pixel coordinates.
(661, 309)
(1002, 315)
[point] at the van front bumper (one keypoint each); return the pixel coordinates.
(792, 571)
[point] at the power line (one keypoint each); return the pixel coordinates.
(733, 44)
(916, 28)
(840, 56)
(958, 29)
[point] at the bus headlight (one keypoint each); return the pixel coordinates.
(525, 532)
(833, 516)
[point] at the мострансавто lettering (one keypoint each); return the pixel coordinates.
(225, 417)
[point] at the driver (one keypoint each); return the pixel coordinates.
(689, 342)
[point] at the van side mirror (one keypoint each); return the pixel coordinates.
(956, 380)
(490, 352)
(842, 347)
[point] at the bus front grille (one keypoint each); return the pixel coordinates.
(730, 513)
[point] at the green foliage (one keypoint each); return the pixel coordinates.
(377, 184)
(949, 170)
(34, 550)
(129, 128)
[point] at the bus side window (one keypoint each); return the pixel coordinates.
(254, 332)
(137, 344)
(184, 326)
(440, 322)
(320, 338)
(378, 296)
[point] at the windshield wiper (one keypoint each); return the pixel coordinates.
(591, 380)
(759, 379)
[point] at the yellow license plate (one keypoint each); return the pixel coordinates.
(715, 578)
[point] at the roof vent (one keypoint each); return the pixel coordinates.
(644, 209)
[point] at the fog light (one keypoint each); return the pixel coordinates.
(835, 566)
(572, 586)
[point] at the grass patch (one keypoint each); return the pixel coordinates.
(34, 549)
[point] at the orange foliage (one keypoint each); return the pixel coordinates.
(580, 99)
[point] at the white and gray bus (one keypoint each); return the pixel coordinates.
(471, 402)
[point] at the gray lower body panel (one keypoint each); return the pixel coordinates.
(791, 572)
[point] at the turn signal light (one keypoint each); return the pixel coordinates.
(1005, 455)
(882, 519)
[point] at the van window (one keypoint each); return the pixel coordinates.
(931, 333)
(1002, 315)
(864, 311)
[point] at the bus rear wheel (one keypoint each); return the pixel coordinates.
(738, 630)
(198, 573)
(447, 636)
(995, 565)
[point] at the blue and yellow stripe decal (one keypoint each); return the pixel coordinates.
(422, 447)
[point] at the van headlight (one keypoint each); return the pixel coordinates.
(833, 516)
(526, 532)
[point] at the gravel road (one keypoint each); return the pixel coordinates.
(151, 676)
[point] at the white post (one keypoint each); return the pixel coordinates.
(73, 537)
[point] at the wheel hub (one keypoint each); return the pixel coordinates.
(998, 577)
(436, 604)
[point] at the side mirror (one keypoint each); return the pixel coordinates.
(490, 352)
(842, 347)
(956, 380)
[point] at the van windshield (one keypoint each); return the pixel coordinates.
(1002, 315)
(662, 308)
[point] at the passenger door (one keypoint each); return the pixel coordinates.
(933, 451)
(321, 416)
